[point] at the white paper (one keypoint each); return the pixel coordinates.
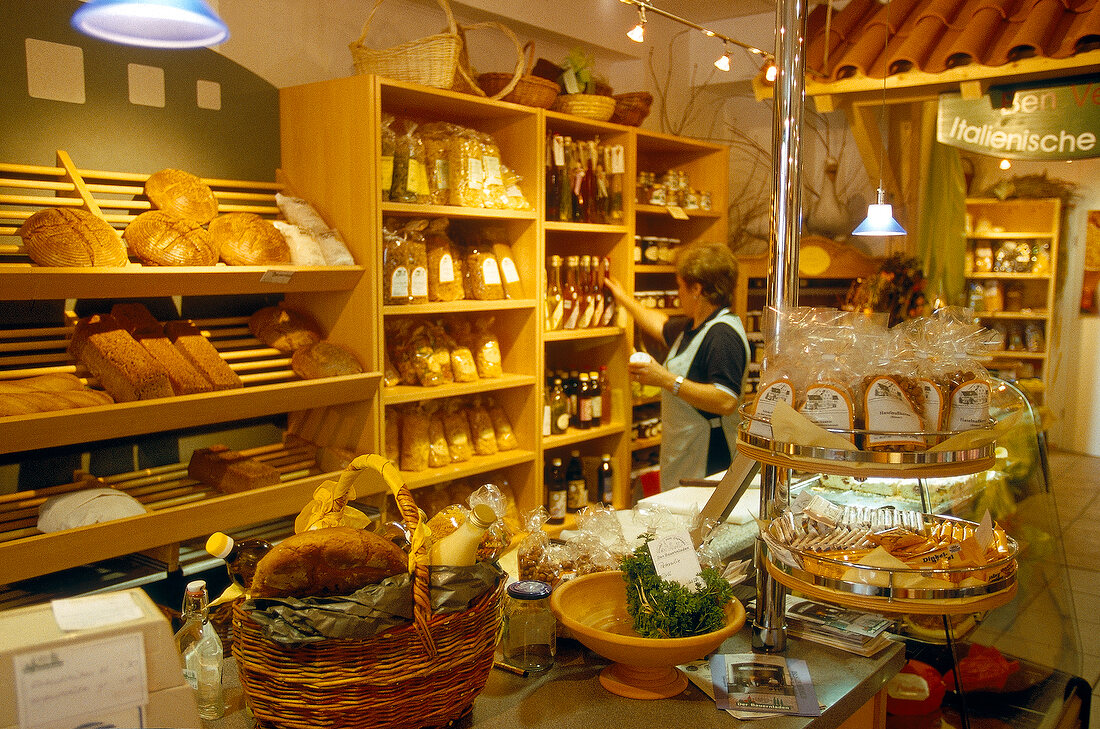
(95, 611)
(83, 680)
(674, 558)
(276, 277)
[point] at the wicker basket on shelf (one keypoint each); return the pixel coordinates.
(529, 90)
(589, 106)
(423, 674)
(632, 109)
(430, 61)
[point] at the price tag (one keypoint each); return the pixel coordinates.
(675, 559)
(677, 212)
(559, 150)
(273, 276)
(618, 160)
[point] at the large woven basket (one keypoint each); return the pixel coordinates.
(589, 106)
(528, 89)
(430, 61)
(424, 674)
(632, 109)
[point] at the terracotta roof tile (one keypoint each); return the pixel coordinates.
(935, 35)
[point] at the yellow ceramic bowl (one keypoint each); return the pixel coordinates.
(593, 608)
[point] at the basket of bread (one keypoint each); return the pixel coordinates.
(345, 626)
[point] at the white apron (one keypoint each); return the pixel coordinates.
(685, 433)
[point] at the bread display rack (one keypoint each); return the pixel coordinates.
(334, 411)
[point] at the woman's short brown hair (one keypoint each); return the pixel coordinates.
(713, 266)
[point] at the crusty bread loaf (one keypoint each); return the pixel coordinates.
(46, 393)
(133, 315)
(324, 359)
(122, 366)
(208, 464)
(72, 237)
(329, 561)
(246, 239)
(284, 329)
(183, 194)
(202, 355)
(247, 474)
(53, 382)
(162, 239)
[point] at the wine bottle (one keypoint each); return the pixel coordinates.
(556, 492)
(576, 486)
(605, 480)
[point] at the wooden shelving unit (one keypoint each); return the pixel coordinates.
(1026, 296)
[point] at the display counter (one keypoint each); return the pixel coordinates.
(570, 694)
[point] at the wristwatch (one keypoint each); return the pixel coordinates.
(676, 385)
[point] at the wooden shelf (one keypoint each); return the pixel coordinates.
(125, 420)
(576, 435)
(1007, 354)
(1030, 315)
(665, 211)
(1009, 235)
(24, 282)
(473, 467)
(572, 335)
(411, 393)
(457, 307)
(643, 443)
(646, 401)
(654, 268)
(559, 225)
(1016, 276)
(454, 211)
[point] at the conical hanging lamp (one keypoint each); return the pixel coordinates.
(880, 216)
(173, 24)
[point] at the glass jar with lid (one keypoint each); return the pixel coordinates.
(528, 639)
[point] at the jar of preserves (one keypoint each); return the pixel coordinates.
(528, 637)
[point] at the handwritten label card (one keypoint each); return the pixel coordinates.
(675, 559)
(95, 611)
(276, 276)
(83, 680)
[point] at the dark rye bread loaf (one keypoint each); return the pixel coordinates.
(197, 349)
(328, 561)
(123, 367)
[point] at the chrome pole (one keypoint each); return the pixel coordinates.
(769, 626)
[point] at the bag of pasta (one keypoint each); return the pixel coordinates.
(439, 453)
(509, 274)
(397, 264)
(482, 435)
(444, 273)
(441, 351)
(393, 435)
(494, 192)
(414, 439)
(516, 199)
(486, 349)
(389, 142)
(437, 142)
(502, 426)
(398, 334)
(417, 252)
(465, 166)
(410, 181)
(457, 429)
(463, 366)
(418, 350)
(390, 376)
(482, 272)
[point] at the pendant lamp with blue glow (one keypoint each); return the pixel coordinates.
(880, 219)
(170, 24)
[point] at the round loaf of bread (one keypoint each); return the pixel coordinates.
(162, 239)
(246, 239)
(324, 359)
(329, 561)
(72, 237)
(182, 194)
(287, 330)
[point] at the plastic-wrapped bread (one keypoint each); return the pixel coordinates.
(305, 250)
(301, 213)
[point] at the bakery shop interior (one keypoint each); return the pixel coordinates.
(424, 363)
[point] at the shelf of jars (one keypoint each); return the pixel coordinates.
(567, 335)
(675, 211)
(573, 227)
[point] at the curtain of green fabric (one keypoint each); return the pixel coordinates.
(941, 244)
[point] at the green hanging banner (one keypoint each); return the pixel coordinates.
(1025, 122)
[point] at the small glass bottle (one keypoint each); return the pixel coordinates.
(240, 557)
(605, 480)
(584, 402)
(200, 651)
(605, 396)
(559, 408)
(528, 637)
(576, 486)
(459, 548)
(571, 295)
(556, 492)
(595, 396)
(555, 303)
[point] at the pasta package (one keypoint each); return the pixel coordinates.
(502, 426)
(457, 430)
(439, 453)
(393, 435)
(415, 439)
(509, 274)
(481, 429)
(483, 281)
(437, 138)
(465, 167)
(443, 264)
(486, 349)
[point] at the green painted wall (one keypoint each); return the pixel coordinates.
(107, 131)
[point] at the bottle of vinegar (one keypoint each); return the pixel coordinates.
(200, 651)
(555, 302)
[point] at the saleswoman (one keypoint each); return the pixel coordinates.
(704, 374)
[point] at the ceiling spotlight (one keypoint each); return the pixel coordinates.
(771, 72)
(637, 33)
(723, 62)
(1005, 164)
(151, 23)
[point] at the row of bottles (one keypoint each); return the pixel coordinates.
(580, 300)
(584, 180)
(575, 399)
(569, 491)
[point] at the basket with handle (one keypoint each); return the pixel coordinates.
(589, 106)
(430, 61)
(422, 674)
(631, 109)
(527, 89)
(466, 80)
